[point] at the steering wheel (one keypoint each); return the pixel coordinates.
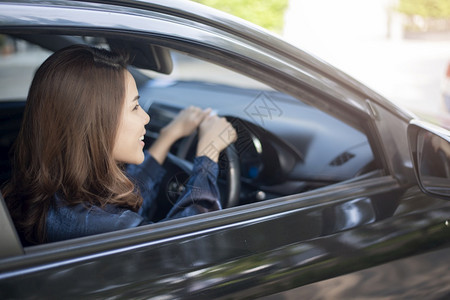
(179, 168)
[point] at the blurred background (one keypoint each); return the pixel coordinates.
(400, 48)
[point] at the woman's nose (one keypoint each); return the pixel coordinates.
(146, 117)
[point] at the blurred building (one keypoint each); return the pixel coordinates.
(366, 40)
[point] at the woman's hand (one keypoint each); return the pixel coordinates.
(215, 134)
(186, 122)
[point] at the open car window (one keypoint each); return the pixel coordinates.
(284, 147)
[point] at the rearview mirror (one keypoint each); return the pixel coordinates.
(430, 151)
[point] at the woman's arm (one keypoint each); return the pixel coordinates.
(201, 193)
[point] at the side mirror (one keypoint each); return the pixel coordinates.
(430, 152)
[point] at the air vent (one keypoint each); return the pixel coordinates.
(342, 159)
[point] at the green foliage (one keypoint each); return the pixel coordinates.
(266, 13)
(425, 8)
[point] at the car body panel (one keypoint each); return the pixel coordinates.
(214, 260)
(391, 280)
(244, 258)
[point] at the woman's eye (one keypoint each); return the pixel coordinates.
(136, 107)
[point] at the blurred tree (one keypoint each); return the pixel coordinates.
(266, 13)
(425, 8)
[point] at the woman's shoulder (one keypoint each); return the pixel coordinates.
(66, 221)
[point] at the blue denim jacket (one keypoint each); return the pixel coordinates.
(200, 195)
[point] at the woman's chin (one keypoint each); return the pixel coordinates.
(135, 160)
(139, 159)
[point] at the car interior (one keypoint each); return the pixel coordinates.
(285, 146)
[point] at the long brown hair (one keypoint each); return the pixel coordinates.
(65, 143)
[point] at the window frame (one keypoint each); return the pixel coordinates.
(266, 209)
(294, 80)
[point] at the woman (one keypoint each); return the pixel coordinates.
(82, 127)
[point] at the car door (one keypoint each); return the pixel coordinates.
(255, 249)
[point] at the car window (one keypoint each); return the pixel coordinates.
(282, 141)
(284, 146)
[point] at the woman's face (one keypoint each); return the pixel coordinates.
(130, 135)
